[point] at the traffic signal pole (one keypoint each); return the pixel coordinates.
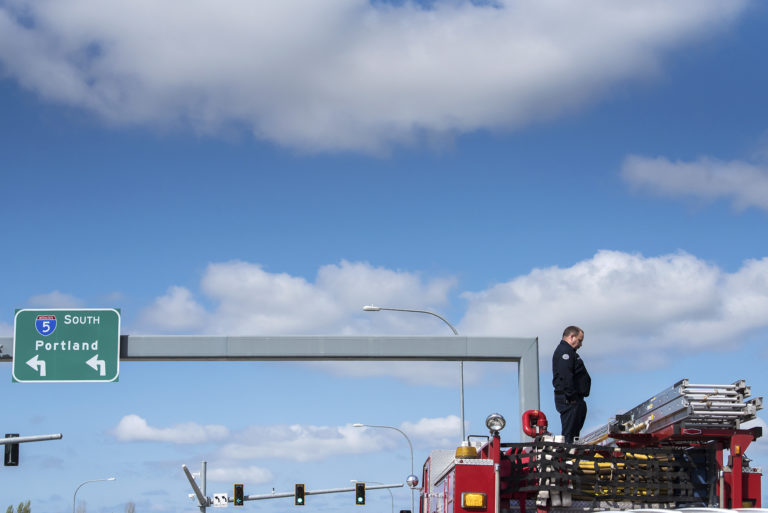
(204, 481)
(11, 444)
(319, 492)
(23, 439)
(202, 500)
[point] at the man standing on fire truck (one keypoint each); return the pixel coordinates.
(572, 383)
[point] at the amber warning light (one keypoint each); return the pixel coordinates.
(472, 500)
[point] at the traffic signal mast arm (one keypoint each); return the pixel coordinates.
(11, 443)
(206, 501)
(23, 439)
(318, 492)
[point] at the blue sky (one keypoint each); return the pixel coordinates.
(232, 168)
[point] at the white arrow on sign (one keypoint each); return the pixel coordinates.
(38, 365)
(98, 365)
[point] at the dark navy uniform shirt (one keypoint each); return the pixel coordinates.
(569, 375)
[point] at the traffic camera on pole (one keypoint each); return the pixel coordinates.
(298, 494)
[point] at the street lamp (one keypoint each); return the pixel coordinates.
(372, 308)
(392, 497)
(411, 480)
(74, 497)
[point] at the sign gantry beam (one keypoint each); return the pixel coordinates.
(425, 348)
(524, 351)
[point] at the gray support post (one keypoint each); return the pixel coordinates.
(528, 380)
(204, 483)
(201, 499)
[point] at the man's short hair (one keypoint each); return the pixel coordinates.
(571, 330)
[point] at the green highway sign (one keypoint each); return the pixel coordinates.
(57, 345)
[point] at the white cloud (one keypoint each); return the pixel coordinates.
(743, 183)
(300, 443)
(227, 474)
(55, 299)
(176, 311)
(293, 442)
(663, 304)
(440, 432)
(133, 428)
(667, 303)
(315, 443)
(342, 74)
(252, 301)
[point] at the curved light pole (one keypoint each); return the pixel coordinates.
(410, 445)
(372, 308)
(392, 497)
(74, 497)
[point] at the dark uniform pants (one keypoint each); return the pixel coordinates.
(572, 416)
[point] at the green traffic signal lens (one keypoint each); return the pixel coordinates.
(239, 495)
(298, 494)
(359, 493)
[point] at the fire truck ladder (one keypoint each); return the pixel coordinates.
(688, 405)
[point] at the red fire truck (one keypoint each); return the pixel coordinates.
(684, 447)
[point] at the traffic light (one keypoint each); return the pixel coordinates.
(239, 495)
(298, 494)
(359, 494)
(11, 452)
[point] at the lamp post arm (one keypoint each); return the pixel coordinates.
(74, 497)
(425, 312)
(410, 445)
